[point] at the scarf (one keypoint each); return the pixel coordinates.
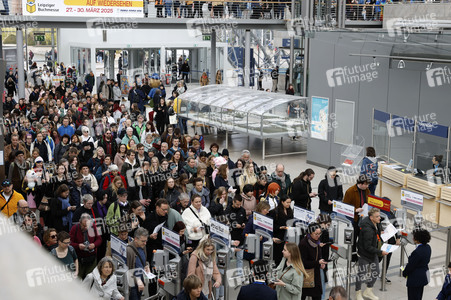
(207, 266)
(312, 242)
(67, 219)
(282, 179)
(190, 170)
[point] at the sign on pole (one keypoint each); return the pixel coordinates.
(411, 200)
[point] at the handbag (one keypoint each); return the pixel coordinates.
(173, 119)
(309, 281)
(206, 227)
(44, 205)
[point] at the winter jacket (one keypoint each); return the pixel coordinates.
(44, 150)
(76, 194)
(10, 207)
(77, 237)
(352, 197)
(300, 193)
(172, 196)
(249, 204)
(417, 268)
(112, 145)
(445, 293)
(196, 267)
(367, 244)
(327, 192)
(60, 150)
(106, 291)
(293, 282)
(191, 221)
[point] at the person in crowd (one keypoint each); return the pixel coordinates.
(248, 176)
(281, 214)
(185, 251)
(137, 259)
(62, 148)
(182, 204)
(151, 223)
(301, 191)
(118, 211)
(417, 270)
(101, 282)
(22, 209)
(86, 208)
(290, 274)
(170, 192)
(261, 187)
(190, 168)
(258, 289)
(324, 220)
(162, 117)
(50, 239)
(313, 261)
(129, 169)
(263, 208)
(271, 196)
(197, 220)
(16, 145)
(445, 292)
(282, 179)
(219, 203)
(338, 293)
(329, 189)
(78, 190)
(89, 179)
(202, 263)
(66, 253)
(120, 156)
(437, 167)
(236, 216)
(164, 153)
(368, 251)
(357, 196)
(201, 191)
(18, 169)
(369, 168)
(192, 289)
(31, 226)
(61, 209)
(85, 241)
(249, 201)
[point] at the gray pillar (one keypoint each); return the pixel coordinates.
(291, 60)
(194, 64)
(155, 60)
(20, 63)
(111, 56)
(53, 46)
(213, 57)
(247, 58)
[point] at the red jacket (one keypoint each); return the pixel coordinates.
(77, 238)
(109, 179)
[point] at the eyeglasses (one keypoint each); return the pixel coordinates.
(53, 236)
(25, 207)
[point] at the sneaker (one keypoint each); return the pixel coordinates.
(387, 281)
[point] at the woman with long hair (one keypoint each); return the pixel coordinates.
(290, 274)
(61, 210)
(261, 186)
(170, 192)
(249, 201)
(281, 214)
(185, 251)
(114, 187)
(312, 257)
(248, 176)
(121, 155)
(301, 190)
(177, 161)
(203, 264)
(50, 240)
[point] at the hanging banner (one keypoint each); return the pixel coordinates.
(84, 8)
(220, 232)
(170, 239)
(382, 204)
(263, 223)
(306, 216)
(319, 125)
(411, 200)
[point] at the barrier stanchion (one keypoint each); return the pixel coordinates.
(384, 273)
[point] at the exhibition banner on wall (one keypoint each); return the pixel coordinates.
(319, 118)
(84, 8)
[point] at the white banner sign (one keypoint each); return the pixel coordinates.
(305, 215)
(412, 198)
(343, 209)
(263, 222)
(171, 237)
(83, 8)
(219, 230)
(119, 248)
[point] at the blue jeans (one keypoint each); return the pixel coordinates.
(168, 7)
(372, 188)
(134, 293)
(323, 283)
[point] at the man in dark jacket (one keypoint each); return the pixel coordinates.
(282, 179)
(237, 218)
(258, 289)
(157, 217)
(368, 251)
(329, 189)
(78, 190)
(108, 143)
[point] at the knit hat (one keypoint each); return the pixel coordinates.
(225, 152)
(219, 161)
(39, 159)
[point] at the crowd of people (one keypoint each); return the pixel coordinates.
(76, 160)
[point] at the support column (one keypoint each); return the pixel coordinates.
(111, 56)
(162, 59)
(53, 47)
(20, 63)
(155, 61)
(2, 88)
(291, 60)
(194, 64)
(213, 57)
(247, 58)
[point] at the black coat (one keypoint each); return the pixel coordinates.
(367, 244)
(256, 291)
(417, 266)
(310, 258)
(327, 192)
(236, 216)
(300, 191)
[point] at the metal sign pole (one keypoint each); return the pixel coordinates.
(384, 273)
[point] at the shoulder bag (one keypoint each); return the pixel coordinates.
(309, 280)
(206, 227)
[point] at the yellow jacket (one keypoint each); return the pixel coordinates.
(10, 208)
